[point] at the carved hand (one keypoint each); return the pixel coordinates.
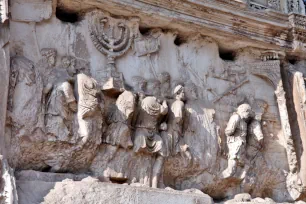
(48, 88)
(164, 108)
(163, 126)
(73, 106)
(261, 144)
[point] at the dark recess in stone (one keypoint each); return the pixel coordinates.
(46, 169)
(144, 30)
(227, 55)
(179, 40)
(293, 61)
(66, 16)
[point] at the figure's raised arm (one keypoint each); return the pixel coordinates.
(68, 92)
(164, 108)
(232, 125)
(48, 88)
(178, 111)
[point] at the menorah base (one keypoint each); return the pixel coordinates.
(113, 86)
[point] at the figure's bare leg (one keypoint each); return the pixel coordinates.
(231, 168)
(245, 170)
(187, 154)
(157, 169)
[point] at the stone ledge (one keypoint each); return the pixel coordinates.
(31, 175)
(91, 191)
(205, 17)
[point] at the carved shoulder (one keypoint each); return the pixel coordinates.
(232, 124)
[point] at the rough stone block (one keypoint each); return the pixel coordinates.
(30, 175)
(78, 192)
(32, 11)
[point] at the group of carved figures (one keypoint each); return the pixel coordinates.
(149, 121)
(136, 120)
(149, 118)
(243, 130)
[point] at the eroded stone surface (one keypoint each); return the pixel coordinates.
(8, 190)
(34, 11)
(180, 103)
(97, 192)
(30, 175)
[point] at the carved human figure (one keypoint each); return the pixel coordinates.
(45, 65)
(192, 109)
(139, 88)
(200, 130)
(61, 102)
(147, 138)
(69, 63)
(43, 70)
(255, 135)
(49, 55)
(119, 119)
(139, 84)
(191, 91)
(175, 124)
(24, 98)
(165, 88)
(153, 88)
(89, 109)
(236, 133)
(89, 119)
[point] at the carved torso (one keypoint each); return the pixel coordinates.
(61, 94)
(176, 116)
(254, 134)
(88, 101)
(149, 114)
(236, 129)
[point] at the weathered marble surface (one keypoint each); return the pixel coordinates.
(92, 191)
(196, 63)
(152, 98)
(4, 84)
(8, 192)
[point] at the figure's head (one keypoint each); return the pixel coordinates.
(50, 55)
(25, 69)
(176, 82)
(260, 108)
(258, 116)
(66, 61)
(191, 91)
(69, 64)
(139, 83)
(126, 104)
(244, 111)
(164, 77)
(153, 87)
(163, 126)
(179, 92)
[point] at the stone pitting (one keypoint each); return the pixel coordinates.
(152, 101)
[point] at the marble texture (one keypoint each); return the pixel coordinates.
(149, 94)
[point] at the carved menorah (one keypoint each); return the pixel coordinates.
(113, 43)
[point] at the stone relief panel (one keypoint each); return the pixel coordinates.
(3, 10)
(137, 108)
(286, 6)
(296, 82)
(112, 37)
(265, 4)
